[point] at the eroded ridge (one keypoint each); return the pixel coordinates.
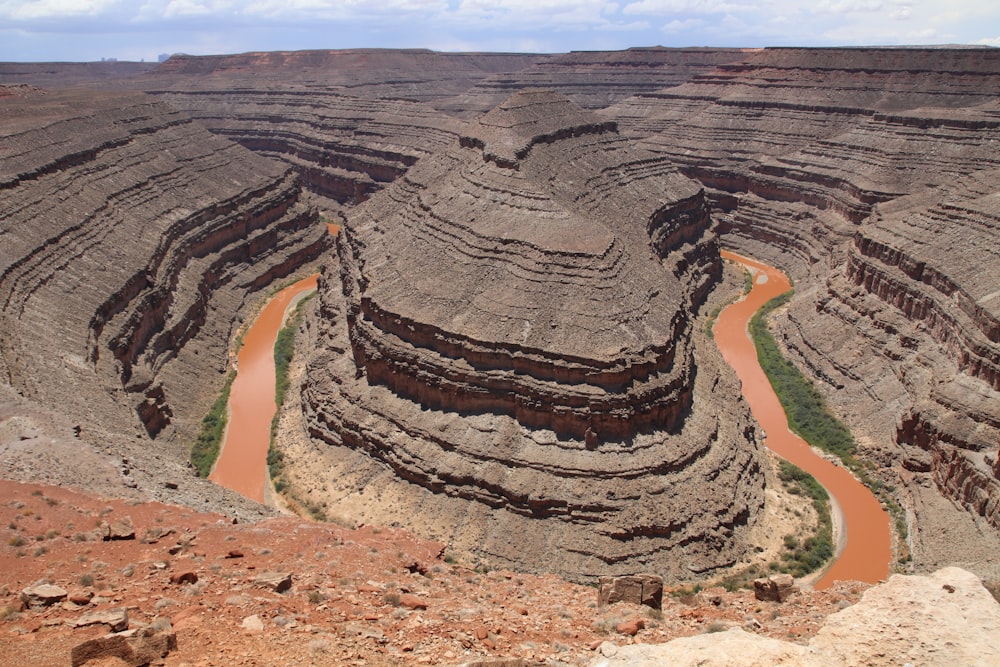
(871, 175)
(518, 312)
(131, 238)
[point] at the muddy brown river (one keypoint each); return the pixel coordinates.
(864, 525)
(242, 463)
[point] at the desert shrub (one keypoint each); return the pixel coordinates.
(206, 447)
(284, 350)
(808, 555)
(808, 415)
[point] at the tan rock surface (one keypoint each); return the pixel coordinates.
(947, 618)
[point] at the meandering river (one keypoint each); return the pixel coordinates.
(865, 535)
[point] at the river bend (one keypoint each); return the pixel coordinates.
(865, 534)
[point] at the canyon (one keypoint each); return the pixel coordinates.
(145, 214)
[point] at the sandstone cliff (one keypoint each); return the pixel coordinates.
(508, 347)
(947, 618)
(869, 174)
(343, 147)
(132, 240)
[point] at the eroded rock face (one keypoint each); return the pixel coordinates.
(871, 176)
(518, 314)
(945, 617)
(131, 238)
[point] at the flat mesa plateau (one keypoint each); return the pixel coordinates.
(507, 380)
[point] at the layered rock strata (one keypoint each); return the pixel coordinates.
(870, 174)
(518, 315)
(400, 74)
(132, 238)
(343, 147)
(352, 121)
(592, 79)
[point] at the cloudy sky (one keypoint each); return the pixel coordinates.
(79, 30)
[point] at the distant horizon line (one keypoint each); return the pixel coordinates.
(160, 59)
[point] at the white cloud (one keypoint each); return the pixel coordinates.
(45, 9)
(176, 8)
(680, 26)
(671, 7)
(848, 6)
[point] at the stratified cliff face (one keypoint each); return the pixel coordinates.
(343, 147)
(517, 316)
(131, 239)
(400, 74)
(871, 175)
(592, 79)
(352, 121)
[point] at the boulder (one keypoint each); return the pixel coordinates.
(631, 627)
(136, 648)
(253, 624)
(116, 619)
(186, 577)
(118, 530)
(776, 588)
(279, 582)
(412, 601)
(42, 595)
(644, 589)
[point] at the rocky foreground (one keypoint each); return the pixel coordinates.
(108, 582)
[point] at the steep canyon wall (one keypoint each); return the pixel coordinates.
(132, 240)
(509, 347)
(870, 174)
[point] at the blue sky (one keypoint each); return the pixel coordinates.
(81, 30)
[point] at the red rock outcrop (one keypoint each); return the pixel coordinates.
(518, 310)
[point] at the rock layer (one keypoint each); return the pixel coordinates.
(870, 175)
(518, 312)
(343, 147)
(131, 239)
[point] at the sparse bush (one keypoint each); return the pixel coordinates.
(16, 541)
(86, 580)
(807, 413)
(284, 349)
(804, 556)
(715, 626)
(206, 447)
